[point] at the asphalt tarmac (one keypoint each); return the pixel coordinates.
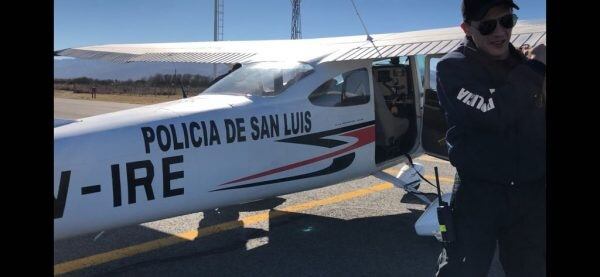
(363, 227)
(75, 109)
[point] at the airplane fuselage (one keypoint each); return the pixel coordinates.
(208, 151)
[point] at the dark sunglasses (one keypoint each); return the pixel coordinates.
(487, 27)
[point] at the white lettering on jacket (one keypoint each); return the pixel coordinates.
(471, 99)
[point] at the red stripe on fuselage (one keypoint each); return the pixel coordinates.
(365, 136)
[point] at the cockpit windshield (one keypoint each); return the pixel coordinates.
(261, 79)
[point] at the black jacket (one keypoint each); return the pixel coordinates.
(496, 118)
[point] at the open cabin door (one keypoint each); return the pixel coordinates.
(394, 107)
(433, 137)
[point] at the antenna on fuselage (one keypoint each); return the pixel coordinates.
(183, 93)
(174, 78)
(369, 38)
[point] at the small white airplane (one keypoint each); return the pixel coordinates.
(298, 115)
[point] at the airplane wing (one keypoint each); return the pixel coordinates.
(433, 41)
(60, 122)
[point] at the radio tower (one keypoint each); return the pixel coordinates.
(296, 24)
(218, 32)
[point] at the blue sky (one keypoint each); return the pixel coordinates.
(92, 22)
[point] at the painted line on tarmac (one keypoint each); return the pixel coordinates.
(191, 235)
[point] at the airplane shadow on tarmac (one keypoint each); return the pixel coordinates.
(87, 245)
(298, 245)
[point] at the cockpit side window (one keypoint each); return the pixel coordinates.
(347, 89)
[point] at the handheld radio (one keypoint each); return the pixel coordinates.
(444, 213)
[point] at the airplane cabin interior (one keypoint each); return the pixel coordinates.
(395, 118)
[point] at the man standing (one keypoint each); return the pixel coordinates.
(492, 96)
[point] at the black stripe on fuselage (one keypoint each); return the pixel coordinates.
(338, 164)
(317, 139)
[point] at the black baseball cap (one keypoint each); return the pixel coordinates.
(476, 9)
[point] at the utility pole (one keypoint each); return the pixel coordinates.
(296, 24)
(218, 27)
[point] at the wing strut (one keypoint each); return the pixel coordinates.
(369, 38)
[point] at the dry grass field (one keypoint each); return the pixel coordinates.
(120, 98)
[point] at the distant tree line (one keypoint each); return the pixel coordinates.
(158, 80)
(162, 84)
